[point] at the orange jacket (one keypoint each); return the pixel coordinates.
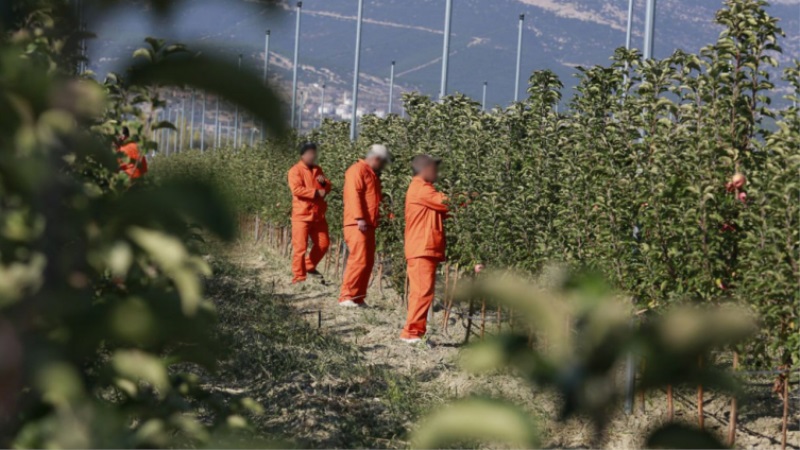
(133, 163)
(307, 205)
(425, 214)
(361, 194)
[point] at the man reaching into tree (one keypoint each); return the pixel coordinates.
(424, 243)
(309, 188)
(131, 161)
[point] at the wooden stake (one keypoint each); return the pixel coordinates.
(405, 290)
(641, 392)
(470, 312)
(670, 407)
(380, 275)
(785, 410)
(483, 317)
(734, 412)
(448, 307)
(499, 316)
(338, 253)
(700, 417)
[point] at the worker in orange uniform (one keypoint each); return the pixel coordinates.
(362, 198)
(309, 188)
(130, 160)
(426, 210)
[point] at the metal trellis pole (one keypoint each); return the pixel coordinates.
(217, 129)
(649, 29)
(203, 125)
(266, 71)
(322, 105)
(629, 29)
(519, 57)
(294, 65)
(236, 115)
(191, 121)
(182, 122)
(391, 87)
(354, 118)
(448, 16)
(483, 96)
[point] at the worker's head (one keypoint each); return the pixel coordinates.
(123, 136)
(308, 153)
(378, 157)
(426, 167)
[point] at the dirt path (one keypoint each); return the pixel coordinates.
(375, 332)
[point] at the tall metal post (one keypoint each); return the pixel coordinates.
(294, 65)
(483, 96)
(629, 29)
(191, 121)
(448, 16)
(322, 105)
(266, 71)
(391, 88)
(203, 125)
(182, 122)
(356, 69)
(217, 129)
(649, 29)
(519, 57)
(236, 116)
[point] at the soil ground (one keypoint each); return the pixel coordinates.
(431, 376)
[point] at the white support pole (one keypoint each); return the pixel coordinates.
(356, 69)
(294, 64)
(483, 96)
(191, 121)
(629, 28)
(266, 71)
(448, 16)
(322, 105)
(391, 88)
(203, 125)
(519, 57)
(649, 29)
(236, 124)
(217, 127)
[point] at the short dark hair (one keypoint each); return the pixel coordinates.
(307, 146)
(126, 132)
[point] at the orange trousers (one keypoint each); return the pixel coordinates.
(359, 264)
(421, 287)
(301, 233)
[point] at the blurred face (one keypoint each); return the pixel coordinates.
(430, 173)
(309, 157)
(377, 164)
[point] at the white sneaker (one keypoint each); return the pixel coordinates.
(414, 340)
(348, 304)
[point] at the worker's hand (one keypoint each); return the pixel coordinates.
(362, 225)
(321, 193)
(321, 180)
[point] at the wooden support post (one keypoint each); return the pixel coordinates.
(470, 312)
(785, 409)
(338, 253)
(670, 404)
(483, 317)
(448, 307)
(700, 415)
(641, 392)
(734, 411)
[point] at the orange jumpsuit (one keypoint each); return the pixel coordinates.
(362, 197)
(132, 162)
(424, 247)
(308, 218)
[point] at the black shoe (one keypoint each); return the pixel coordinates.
(314, 272)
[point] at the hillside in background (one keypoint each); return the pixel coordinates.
(560, 34)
